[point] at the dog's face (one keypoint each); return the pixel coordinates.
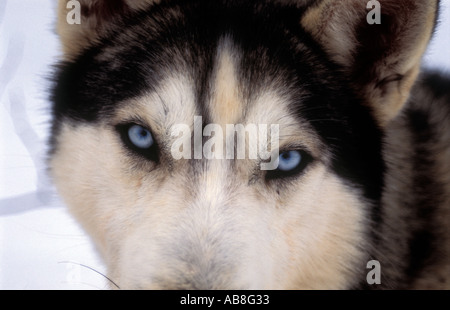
(210, 219)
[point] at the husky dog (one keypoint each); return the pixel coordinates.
(363, 148)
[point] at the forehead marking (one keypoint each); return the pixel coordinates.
(174, 102)
(226, 104)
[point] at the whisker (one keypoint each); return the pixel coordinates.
(92, 269)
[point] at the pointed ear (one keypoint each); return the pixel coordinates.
(379, 44)
(81, 22)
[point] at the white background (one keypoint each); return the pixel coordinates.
(40, 244)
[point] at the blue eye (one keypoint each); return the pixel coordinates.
(290, 164)
(289, 160)
(140, 137)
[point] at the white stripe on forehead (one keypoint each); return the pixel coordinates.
(226, 104)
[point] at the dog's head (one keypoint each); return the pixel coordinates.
(231, 145)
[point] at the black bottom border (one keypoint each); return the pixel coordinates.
(223, 299)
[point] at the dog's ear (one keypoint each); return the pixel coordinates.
(379, 44)
(81, 22)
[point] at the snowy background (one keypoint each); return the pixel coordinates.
(41, 247)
